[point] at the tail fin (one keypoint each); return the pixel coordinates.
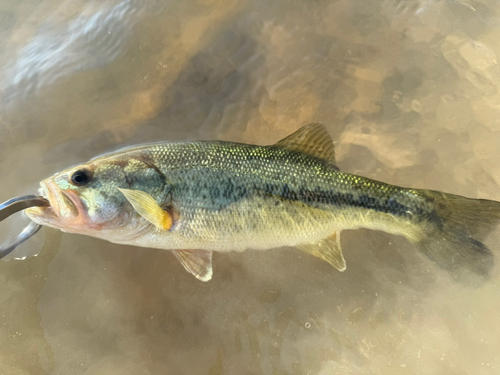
(454, 241)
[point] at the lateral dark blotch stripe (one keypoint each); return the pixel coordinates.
(228, 189)
(315, 196)
(227, 192)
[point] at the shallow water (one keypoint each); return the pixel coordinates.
(408, 89)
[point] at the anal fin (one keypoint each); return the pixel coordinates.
(196, 262)
(328, 249)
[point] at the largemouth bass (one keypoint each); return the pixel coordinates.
(194, 198)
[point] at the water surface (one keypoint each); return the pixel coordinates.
(409, 90)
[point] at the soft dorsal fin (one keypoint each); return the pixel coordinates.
(328, 249)
(196, 262)
(312, 139)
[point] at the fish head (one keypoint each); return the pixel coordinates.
(86, 199)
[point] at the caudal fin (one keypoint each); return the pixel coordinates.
(454, 239)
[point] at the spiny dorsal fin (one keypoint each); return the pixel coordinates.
(312, 139)
(146, 206)
(197, 262)
(328, 249)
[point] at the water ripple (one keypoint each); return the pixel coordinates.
(88, 42)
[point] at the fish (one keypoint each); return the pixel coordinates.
(199, 197)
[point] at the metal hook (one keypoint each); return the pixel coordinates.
(14, 205)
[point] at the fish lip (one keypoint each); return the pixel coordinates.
(75, 200)
(79, 217)
(49, 191)
(45, 215)
(54, 194)
(66, 210)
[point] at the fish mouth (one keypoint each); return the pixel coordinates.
(63, 202)
(65, 209)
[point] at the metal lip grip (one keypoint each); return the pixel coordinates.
(11, 207)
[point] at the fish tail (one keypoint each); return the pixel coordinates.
(454, 239)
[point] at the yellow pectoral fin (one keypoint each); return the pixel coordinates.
(327, 249)
(146, 206)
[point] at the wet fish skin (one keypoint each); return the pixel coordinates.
(224, 196)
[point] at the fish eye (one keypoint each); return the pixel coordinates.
(81, 177)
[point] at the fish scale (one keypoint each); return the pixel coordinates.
(195, 198)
